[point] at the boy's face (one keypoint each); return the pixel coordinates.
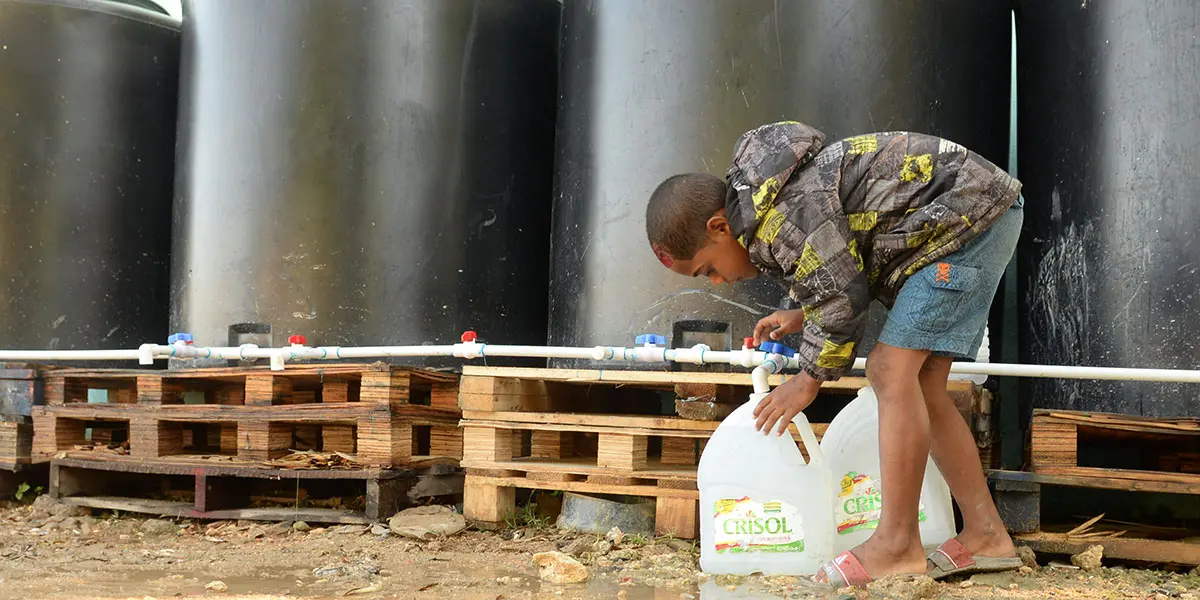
(722, 259)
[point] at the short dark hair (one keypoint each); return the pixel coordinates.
(678, 213)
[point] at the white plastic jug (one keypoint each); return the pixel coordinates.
(762, 509)
(851, 445)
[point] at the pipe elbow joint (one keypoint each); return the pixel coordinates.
(146, 354)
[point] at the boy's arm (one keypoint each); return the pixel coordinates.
(825, 268)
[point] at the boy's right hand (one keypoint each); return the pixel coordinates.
(779, 324)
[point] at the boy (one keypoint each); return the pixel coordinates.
(918, 222)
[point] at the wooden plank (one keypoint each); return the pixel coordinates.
(186, 510)
(347, 413)
(679, 517)
(338, 438)
(551, 477)
(486, 444)
(385, 389)
(1177, 483)
(584, 466)
(153, 389)
(550, 444)
(1084, 477)
(444, 394)
(679, 451)
(263, 440)
(1159, 551)
(663, 378)
(582, 487)
(267, 390)
(151, 438)
(594, 420)
(446, 441)
(335, 390)
(620, 451)
(693, 429)
(488, 501)
(184, 466)
(383, 440)
(502, 394)
(1052, 443)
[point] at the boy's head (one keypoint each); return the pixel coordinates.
(688, 231)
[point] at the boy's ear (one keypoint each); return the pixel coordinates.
(717, 224)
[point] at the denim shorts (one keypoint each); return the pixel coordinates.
(944, 306)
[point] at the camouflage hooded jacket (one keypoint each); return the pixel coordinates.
(850, 222)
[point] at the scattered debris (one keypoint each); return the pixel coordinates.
(159, 527)
(349, 529)
(425, 522)
(601, 547)
(556, 567)
(381, 530)
(216, 586)
(312, 459)
(1089, 559)
(911, 587)
(624, 554)
(1024, 570)
(370, 589)
(281, 528)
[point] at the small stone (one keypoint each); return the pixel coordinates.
(318, 531)
(378, 529)
(912, 587)
(1012, 586)
(601, 547)
(577, 547)
(349, 529)
(624, 554)
(433, 547)
(615, 535)
(556, 567)
(1028, 556)
(682, 546)
(1024, 570)
(300, 526)
(1189, 596)
(424, 522)
(1161, 596)
(1089, 559)
(85, 528)
(158, 527)
(216, 586)
(281, 528)
(622, 595)
(966, 584)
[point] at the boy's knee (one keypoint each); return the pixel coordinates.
(888, 368)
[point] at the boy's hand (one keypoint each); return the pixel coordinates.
(785, 402)
(777, 325)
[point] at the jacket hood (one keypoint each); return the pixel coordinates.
(763, 161)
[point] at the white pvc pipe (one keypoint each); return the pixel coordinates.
(147, 353)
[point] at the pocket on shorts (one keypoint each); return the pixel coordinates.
(942, 289)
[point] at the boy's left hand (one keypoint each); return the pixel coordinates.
(785, 402)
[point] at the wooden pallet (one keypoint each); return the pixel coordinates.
(1018, 498)
(489, 497)
(1152, 454)
(223, 491)
(385, 415)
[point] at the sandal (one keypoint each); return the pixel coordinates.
(952, 558)
(845, 571)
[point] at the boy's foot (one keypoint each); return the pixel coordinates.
(872, 560)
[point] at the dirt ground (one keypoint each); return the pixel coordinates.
(49, 550)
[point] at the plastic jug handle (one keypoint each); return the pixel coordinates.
(815, 455)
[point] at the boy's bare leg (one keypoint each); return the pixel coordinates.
(954, 451)
(895, 547)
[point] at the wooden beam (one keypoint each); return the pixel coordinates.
(1158, 551)
(618, 451)
(486, 444)
(267, 390)
(487, 501)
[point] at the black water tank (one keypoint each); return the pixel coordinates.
(364, 171)
(87, 152)
(655, 87)
(1109, 121)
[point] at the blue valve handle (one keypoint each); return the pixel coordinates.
(179, 337)
(777, 348)
(651, 338)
